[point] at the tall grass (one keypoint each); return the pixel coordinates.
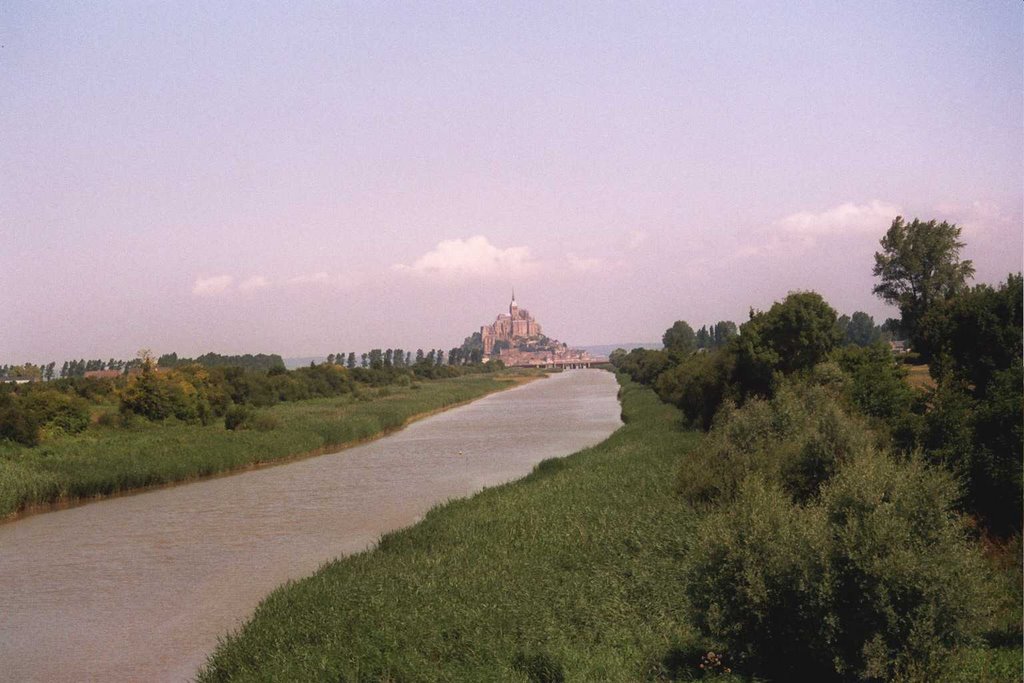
(107, 460)
(575, 573)
(569, 574)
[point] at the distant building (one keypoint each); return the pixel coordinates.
(517, 324)
(516, 339)
(899, 346)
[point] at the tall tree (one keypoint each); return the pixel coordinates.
(679, 338)
(861, 330)
(919, 265)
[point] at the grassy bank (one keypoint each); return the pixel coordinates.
(574, 568)
(574, 573)
(105, 461)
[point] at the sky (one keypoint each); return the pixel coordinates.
(311, 178)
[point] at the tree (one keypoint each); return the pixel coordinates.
(976, 334)
(350, 362)
(795, 334)
(861, 330)
(918, 266)
(704, 338)
(679, 338)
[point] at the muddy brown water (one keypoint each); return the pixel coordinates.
(140, 587)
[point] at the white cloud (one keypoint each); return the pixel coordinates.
(848, 218)
(473, 257)
(978, 218)
(212, 285)
(253, 283)
(580, 264)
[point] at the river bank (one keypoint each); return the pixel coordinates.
(142, 587)
(574, 573)
(102, 463)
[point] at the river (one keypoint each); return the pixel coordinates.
(140, 587)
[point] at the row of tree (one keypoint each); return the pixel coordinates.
(206, 388)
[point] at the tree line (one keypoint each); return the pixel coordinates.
(201, 390)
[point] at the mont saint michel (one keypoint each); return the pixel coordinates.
(516, 339)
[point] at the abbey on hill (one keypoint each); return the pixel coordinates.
(515, 338)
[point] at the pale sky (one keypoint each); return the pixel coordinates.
(308, 178)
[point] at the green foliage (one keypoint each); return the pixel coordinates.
(918, 266)
(679, 339)
(875, 579)
(17, 424)
(878, 385)
(861, 330)
(236, 416)
(797, 439)
(975, 334)
(57, 410)
(981, 442)
(757, 581)
(158, 396)
(798, 332)
(698, 385)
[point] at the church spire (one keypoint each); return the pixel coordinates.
(513, 307)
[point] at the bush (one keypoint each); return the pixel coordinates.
(236, 417)
(265, 422)
(755, 576)
(54, 409)
(158, 396)
(697, 386)
(796, 440)
(875, 579)
(16, 423)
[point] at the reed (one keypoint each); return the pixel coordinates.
(105, 460)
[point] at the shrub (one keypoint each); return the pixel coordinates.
(54, 409)
(265, 422)
(908, 585)
(875, 579)
(236, 417)
(697, 386)
(796, 440)
(158, 396)
(16, 423)
(756, 578)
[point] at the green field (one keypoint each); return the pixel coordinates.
(574, 573)
(107, 460)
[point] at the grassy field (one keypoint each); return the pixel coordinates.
(108, 460)
(571, 574)
(918, 377)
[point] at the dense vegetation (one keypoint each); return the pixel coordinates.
(595, 568)
(79, 437)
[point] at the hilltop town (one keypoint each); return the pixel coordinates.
(516, 339)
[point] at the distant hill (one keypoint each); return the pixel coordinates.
(605, 349)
